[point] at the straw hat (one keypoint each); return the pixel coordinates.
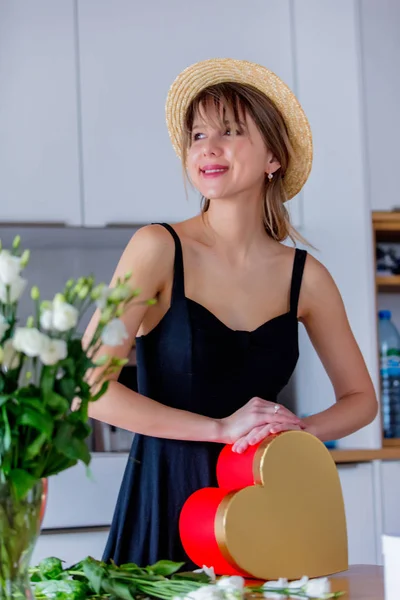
(218, 70)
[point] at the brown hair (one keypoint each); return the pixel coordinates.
(236, 98)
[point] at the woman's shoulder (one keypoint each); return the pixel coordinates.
(154, 240)
(318, 287)
(149, 254)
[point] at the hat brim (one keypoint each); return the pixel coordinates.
(197, 77)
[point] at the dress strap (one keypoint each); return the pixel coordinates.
(178, 286)
(297, 276)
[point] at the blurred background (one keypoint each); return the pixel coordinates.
(85, 160)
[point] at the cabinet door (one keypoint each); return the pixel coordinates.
(76, 500)
(71, 547)
(39, 174)
(390, 485)
(358, 495)
(380, 25)
(129, 55)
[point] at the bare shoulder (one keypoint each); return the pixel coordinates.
(318, 289)
(149, 254)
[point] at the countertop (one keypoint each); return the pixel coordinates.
(348, 456)
(360, 582)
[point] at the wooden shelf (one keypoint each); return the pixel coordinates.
(391, 443)
(386, 226)
(388, 283)
(386, 220)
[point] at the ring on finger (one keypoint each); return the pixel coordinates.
(276, 408)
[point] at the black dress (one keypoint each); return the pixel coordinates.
(192, 361)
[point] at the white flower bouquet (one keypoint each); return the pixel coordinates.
(43, 368)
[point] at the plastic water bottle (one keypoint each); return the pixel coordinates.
(389, 346)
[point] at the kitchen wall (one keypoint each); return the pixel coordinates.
(83, 140)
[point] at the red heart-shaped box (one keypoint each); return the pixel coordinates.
(278, 512)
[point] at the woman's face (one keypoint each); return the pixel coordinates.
(227, 160)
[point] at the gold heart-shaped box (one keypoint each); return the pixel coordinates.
(291, 521)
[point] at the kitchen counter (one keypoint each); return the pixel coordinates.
(360, 582)
(349, 456)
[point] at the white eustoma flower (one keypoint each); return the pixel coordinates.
(10, 267)
(4, 326)
(16, 287)
(46, 319)
(206, 592)
(208, 571)
(114, 333)
(317, 588)
(232, 587)
(103, 295)
(11, 358)
(29, 340)
(53, 351)
(65, 316)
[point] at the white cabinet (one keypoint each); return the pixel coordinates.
(336, 216)
(358, 495)
(129, 56)
(39, 166)
(70, 547)
(390, 485)
(76, 500)
(380, 25)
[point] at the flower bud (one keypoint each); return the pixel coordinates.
(35, 293)
(84, 291)
(59, 298)
(101, 361)
(16, 242)
(106, 315)
(25, 258)
(97, 291)
(30, 322)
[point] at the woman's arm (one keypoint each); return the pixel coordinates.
(322, 311)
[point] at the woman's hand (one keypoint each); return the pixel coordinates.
(258, 434)
(256, 420)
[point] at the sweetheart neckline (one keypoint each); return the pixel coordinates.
(217, 319)
(207, 311)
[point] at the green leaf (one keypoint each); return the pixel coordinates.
(22, 482)
(4, 398)
(41, 422)
(94, 572)
(101, 391)
(191, 576)
(34, 403)
(50, 568)
(62, 590)
(7, 430)
(56, 402)
(67, 388)
(118, 588)
(47, 379)
(35, 447)
(67, 443)
(164, 567)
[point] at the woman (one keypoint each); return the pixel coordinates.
(222, 339)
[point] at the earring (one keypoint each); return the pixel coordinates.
(270, 176)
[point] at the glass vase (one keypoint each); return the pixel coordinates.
(20, 522)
